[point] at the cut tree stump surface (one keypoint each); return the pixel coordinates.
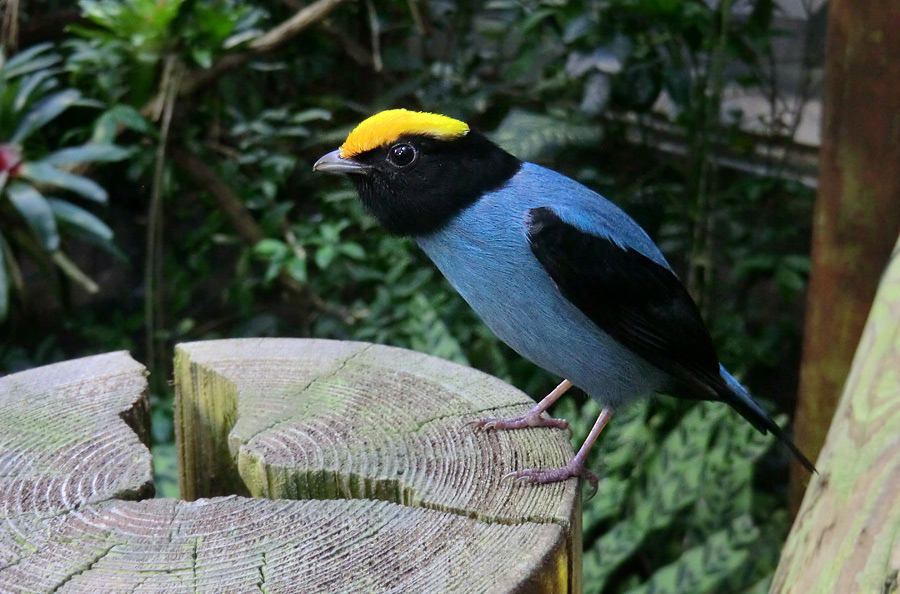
(63, 442)
(373, 481)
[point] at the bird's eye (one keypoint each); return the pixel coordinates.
(402, 155)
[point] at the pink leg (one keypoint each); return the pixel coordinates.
(575, 467)
(533, 417)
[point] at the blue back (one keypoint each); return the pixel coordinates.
(581, 207)
(485, 254)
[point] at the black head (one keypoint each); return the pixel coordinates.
(415, 183)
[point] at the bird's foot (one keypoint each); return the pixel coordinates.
(573, 469)
(529, 419)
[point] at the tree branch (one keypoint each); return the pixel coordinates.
(271, 40)
(294, 25)
(357, 52)
(229, 202)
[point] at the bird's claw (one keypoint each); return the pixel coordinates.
(481, 423)
(555, 475)
(529, 419)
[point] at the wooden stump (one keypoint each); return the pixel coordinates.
(63, 442)
(847, 534)
(376, 483)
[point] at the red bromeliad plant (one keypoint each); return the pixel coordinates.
(10, 161)
(31, 217)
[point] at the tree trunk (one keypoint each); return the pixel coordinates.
(845, 538)
(857, 212)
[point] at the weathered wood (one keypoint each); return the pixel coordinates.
(234, 544)
(857, 211)
(319, 419)
(847, 534)
(62, 440)
(68, 457)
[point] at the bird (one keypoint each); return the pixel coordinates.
(559, 273)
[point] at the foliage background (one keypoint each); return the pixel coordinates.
(197, 123)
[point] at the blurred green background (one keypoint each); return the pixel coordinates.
(156, 187)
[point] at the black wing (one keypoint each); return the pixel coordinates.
(645, 307)
(633, 299)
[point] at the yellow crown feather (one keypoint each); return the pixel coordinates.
(387, 126)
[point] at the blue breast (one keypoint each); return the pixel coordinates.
(484, 253)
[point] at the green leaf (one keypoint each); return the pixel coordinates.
(29, 85)
(536, 18)
(308, 115)
(606, 503)
(36, 211)
(352, 250)
(87, 102)
(674, 476)
(161, 14)
(612, 549)
(43, 112)
(754, 263)
(87, 152)
(202, 56)
(101, 13)
(213, 26)
(273, 270)
(324, 256)
(27, 61)
(47, 174)
(788, 281)
(78, 217)
(798, 262)
(270, 248)
(75, 274)
(296, 268)
(124, 115)
(702, 569)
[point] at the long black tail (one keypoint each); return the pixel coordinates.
(740, 400)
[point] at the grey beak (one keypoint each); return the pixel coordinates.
(333, 163)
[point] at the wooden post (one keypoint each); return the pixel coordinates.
(321, 419)
(376, 483)
(857, 211)
(63, 442)
(847, 534)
